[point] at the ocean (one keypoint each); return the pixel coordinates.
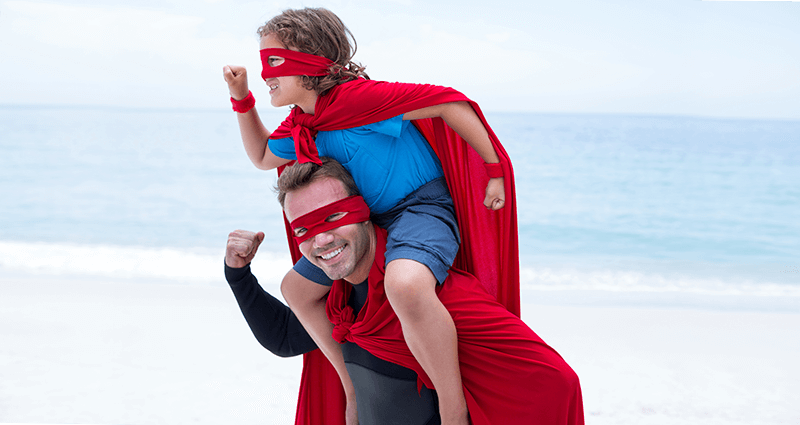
(612, 208)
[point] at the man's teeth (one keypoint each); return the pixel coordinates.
(332, 254)
(273, 87)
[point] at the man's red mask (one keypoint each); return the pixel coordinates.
(316, 222)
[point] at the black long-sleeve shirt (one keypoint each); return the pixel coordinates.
(386, 393)
(272, 322)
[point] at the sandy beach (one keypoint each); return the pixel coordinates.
(98, 351)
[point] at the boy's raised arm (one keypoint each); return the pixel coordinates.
(254, 134)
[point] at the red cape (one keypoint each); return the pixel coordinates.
(510, 375)
(489, 245)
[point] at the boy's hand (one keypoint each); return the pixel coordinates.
(495, 194)
(242, 247)
(236, 77)
(350, 413)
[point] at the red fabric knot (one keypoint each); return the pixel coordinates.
(304, 119)
(303, 136)
(342, 324)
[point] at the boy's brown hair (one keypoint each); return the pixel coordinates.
(318, 31)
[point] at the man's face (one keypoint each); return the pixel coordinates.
(340, 252)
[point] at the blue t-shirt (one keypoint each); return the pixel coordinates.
(388, 159)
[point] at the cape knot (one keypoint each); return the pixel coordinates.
(306, 120)
(303, 135)
(342, 325)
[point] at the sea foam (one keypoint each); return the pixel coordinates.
(203, 266)
(548, 279)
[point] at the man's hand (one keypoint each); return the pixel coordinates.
(495, 194)
(236, 77)
(242, 247)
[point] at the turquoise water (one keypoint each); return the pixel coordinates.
(606, 202)
(720, 194)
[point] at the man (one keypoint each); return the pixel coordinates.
(509, 374)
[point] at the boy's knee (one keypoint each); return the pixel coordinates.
(299, 291)
(408, 286)
(410, 298)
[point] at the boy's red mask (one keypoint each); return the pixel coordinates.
(316, 222)
(295, 63)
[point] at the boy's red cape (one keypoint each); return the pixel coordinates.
(489, 245)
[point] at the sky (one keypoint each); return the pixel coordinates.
(732, 59)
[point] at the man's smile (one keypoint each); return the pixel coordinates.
(333, 253)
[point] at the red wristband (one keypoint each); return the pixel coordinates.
(493, 170)
(244, 105)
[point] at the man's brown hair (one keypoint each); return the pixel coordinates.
(318, 31)
(299, 176)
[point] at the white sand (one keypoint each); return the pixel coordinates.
(77, 351)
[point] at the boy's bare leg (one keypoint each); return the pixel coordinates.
(429, 332)
(307, 301)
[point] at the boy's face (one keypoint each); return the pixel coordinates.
(286, 91)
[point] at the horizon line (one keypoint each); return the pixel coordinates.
(119, 108)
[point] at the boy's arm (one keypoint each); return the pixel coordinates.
(254, 134)
(307, 300)
(462, 118)
(255, 137)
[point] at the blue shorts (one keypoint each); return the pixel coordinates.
(422, 227)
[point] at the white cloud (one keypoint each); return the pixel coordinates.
(499, 37)
(117, 55)
(101, 29)
(98, 28)
(507, 56)
(479, 64)
(117, 29)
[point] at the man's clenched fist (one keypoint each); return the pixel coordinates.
(242, 247)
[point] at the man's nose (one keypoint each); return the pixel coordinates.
(322, 239)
